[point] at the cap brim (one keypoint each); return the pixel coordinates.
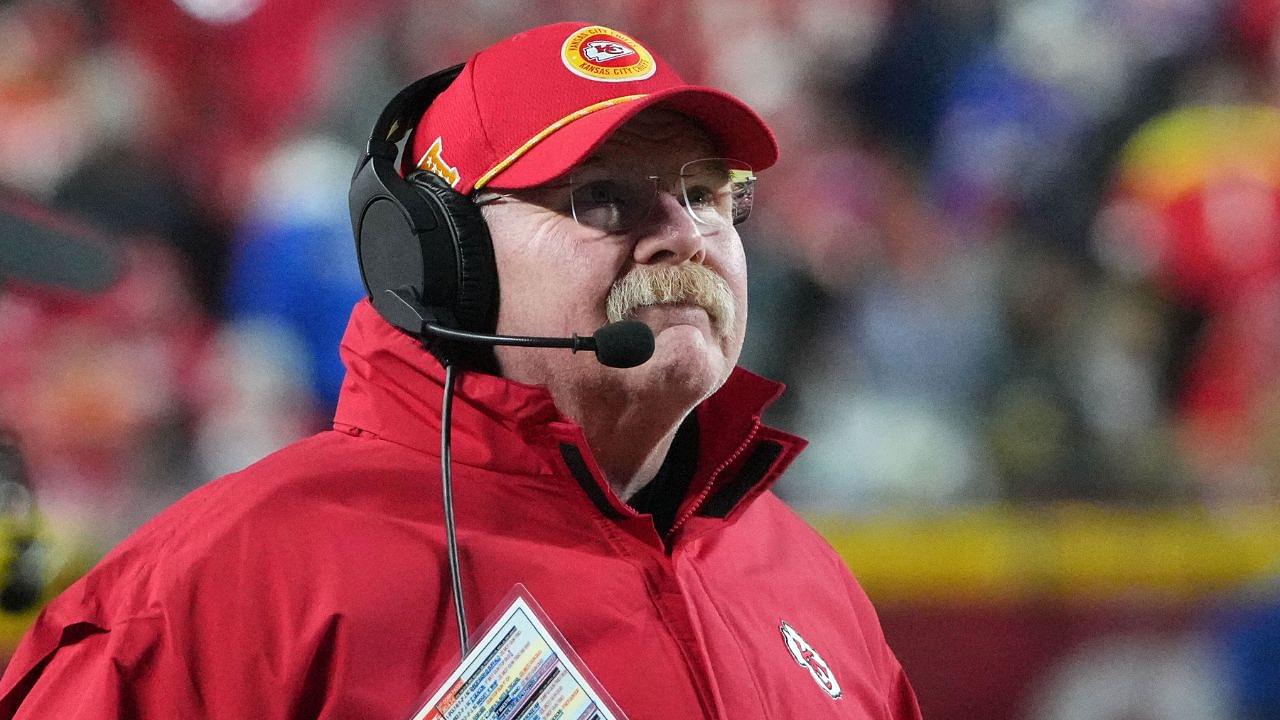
(735, 129)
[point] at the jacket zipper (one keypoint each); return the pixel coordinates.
(711, 482)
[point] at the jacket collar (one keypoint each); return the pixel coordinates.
(394, 388)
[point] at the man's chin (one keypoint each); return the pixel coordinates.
(690, 357)
(686, 337)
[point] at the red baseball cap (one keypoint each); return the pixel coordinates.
(528, 109)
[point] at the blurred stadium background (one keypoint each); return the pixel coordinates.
(1020, 265)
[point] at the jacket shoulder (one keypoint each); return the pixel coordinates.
(291, 524)
(770, 515)
(248, 573)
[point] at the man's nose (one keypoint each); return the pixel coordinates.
(671, 235)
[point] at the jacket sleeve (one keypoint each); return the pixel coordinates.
(148, 667)
(900, 695)
(199, 654)
(83, 672)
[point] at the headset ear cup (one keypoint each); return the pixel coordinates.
(424, 249)
(476, 303)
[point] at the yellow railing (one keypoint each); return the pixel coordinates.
(1074, 552)
(1078, 552)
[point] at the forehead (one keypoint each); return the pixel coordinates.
(655, 136)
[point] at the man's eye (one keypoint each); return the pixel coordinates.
(700, 196)
(603, 192)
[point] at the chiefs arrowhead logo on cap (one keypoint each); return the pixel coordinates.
(599, 53)
(433, 161)
(805, 656)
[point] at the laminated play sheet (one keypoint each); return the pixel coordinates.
(521, 668)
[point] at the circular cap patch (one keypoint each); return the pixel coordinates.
(598, 53)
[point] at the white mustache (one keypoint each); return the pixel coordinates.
(685, 283)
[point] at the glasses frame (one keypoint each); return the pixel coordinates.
(742, 190)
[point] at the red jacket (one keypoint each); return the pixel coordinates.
(314, 583)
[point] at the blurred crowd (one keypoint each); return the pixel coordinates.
(1023, 251)
(1017, 251)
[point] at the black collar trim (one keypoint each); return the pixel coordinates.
(762, 457)
(578, 468)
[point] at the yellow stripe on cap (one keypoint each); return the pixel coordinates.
(542, 134)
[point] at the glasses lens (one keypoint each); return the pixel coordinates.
(611, 204)
(718, 191)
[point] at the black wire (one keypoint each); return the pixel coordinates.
(451, 536)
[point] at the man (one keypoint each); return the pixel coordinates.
(632, 504)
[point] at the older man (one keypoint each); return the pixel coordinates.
(632, 506)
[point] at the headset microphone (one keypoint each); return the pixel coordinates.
(623, 344)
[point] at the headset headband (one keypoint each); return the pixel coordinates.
(400, 115)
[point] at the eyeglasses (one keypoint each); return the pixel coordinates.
(715, 192)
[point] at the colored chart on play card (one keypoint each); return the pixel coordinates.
(518, 671)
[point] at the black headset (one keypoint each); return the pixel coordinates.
(424, 248)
